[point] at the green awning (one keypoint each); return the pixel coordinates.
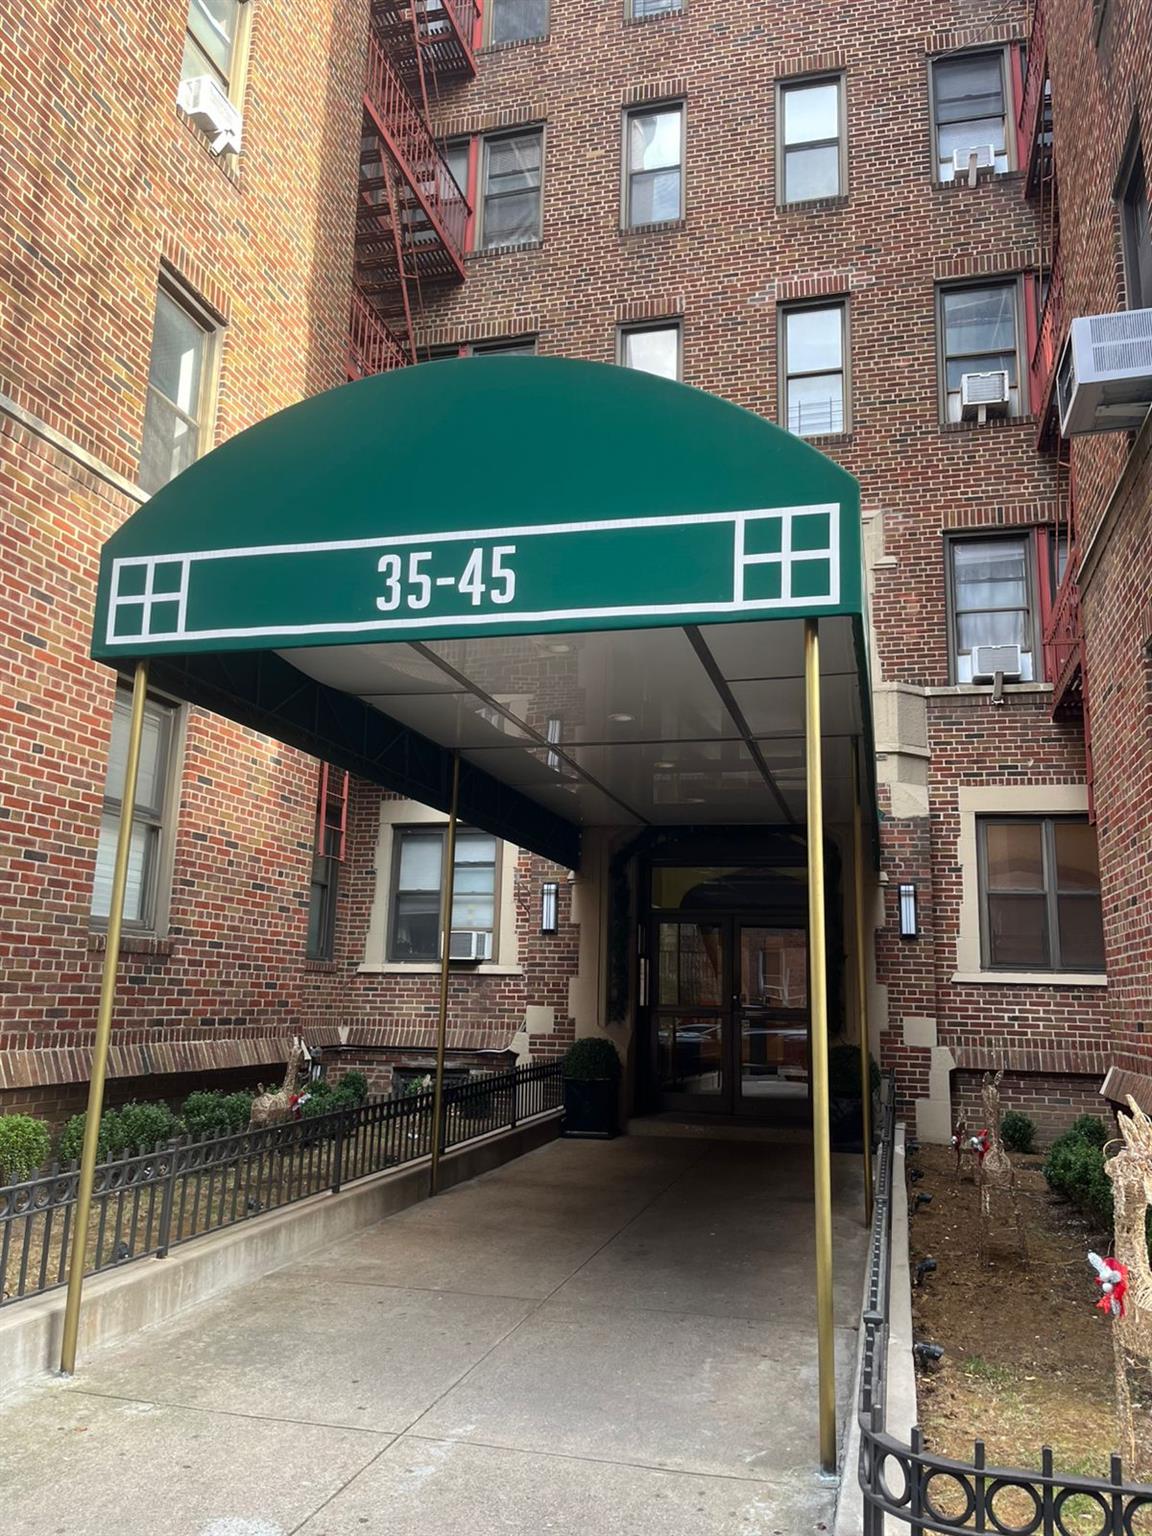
(444, 557)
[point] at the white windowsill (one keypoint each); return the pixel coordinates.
(1034, 978)
(423, 968)
(955, 689)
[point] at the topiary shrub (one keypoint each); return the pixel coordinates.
(24, 1147)
(1089, 1128)
(844, 1072)
(210, 1114)
(109, 1142)
(145, 1126)
(1018, 1132)
(592, 1060)
(1075, 1169)
(353, 1087)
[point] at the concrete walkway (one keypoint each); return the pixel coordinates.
(601, 1338)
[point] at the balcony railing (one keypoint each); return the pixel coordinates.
(372, 346)
(433, 211)
(439, 31)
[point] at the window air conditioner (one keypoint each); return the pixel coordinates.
(211, 111)
(973, 158)
(990, 661)
(469, 944)
(981, 393)
(1104, 377)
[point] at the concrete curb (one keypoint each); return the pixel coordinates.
(119, 1304)
(901, 1407)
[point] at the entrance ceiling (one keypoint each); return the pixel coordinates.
(589, 581)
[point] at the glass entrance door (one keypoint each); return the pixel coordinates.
(730, 1012)
(771, 1015)
(690, 988)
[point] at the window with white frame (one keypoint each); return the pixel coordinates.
(979, 333)
(212, 42)
(516, 21)
(652, 348)
(969, 105)
(511, 179)
(810, 162)
(180, 373)
(654, 160)
(414, 910)
(812, 367)
(992, 601)
(1039, 882)
(151, 818)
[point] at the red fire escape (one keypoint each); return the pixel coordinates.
(411, 217)
(1064, 659)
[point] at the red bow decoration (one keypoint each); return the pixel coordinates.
(980, 1144)
(1115, 1290)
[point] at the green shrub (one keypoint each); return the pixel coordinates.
(592, 1059)
(1018, 1132)
(323, 1099)
(109, 1142)
(354, 1086)
(1089, 1128)
(24, 1147)
(145, 1126)
(210, 1114)
(844, 1072)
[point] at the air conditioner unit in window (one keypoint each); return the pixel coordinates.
(973, 158)
(469, 944)
(992, 661)
(209, 108)
(1104, 377)
(981, 393)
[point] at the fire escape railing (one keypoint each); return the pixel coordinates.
(432, 35)
(1049, 339)
(437, 208)
(1034, 104)
(373, 347)
(1064, 639)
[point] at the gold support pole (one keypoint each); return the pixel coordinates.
(822, 1152)
(103, 1026)
(862, 980)
(448, 882)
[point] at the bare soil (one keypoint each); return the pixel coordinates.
(1027, 1357)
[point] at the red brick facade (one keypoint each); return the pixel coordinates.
(110, 188)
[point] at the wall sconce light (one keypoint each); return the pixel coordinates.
(549, 906)
(908, 912)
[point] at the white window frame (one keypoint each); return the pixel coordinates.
(231, 80)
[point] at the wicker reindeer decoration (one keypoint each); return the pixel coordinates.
(274, 1106)
(994, 1170)
(1126, 1278)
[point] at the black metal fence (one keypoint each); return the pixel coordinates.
(908, 1486)
(146, 1203)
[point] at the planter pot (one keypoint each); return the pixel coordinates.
(590, 1107)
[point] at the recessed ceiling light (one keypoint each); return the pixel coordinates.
(622, 718)
(560, 650)
(664, 764)
(693, 799)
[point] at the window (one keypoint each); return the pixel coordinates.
(511, 203)
(979, 335)
(517, 21)
(1137, 232)
(812, 367)
(640, 9)
(969, 112)
(149, 830)
(179, 375)
(212, 42)
(415, 907)
(522, 346)
(810, 159)
(1040, 894)
(331, 822)
(654, 156)
(652, 349)
(991, 596)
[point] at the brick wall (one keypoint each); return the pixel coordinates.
(1052, 1100)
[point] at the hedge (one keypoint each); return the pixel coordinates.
(24, 1147)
